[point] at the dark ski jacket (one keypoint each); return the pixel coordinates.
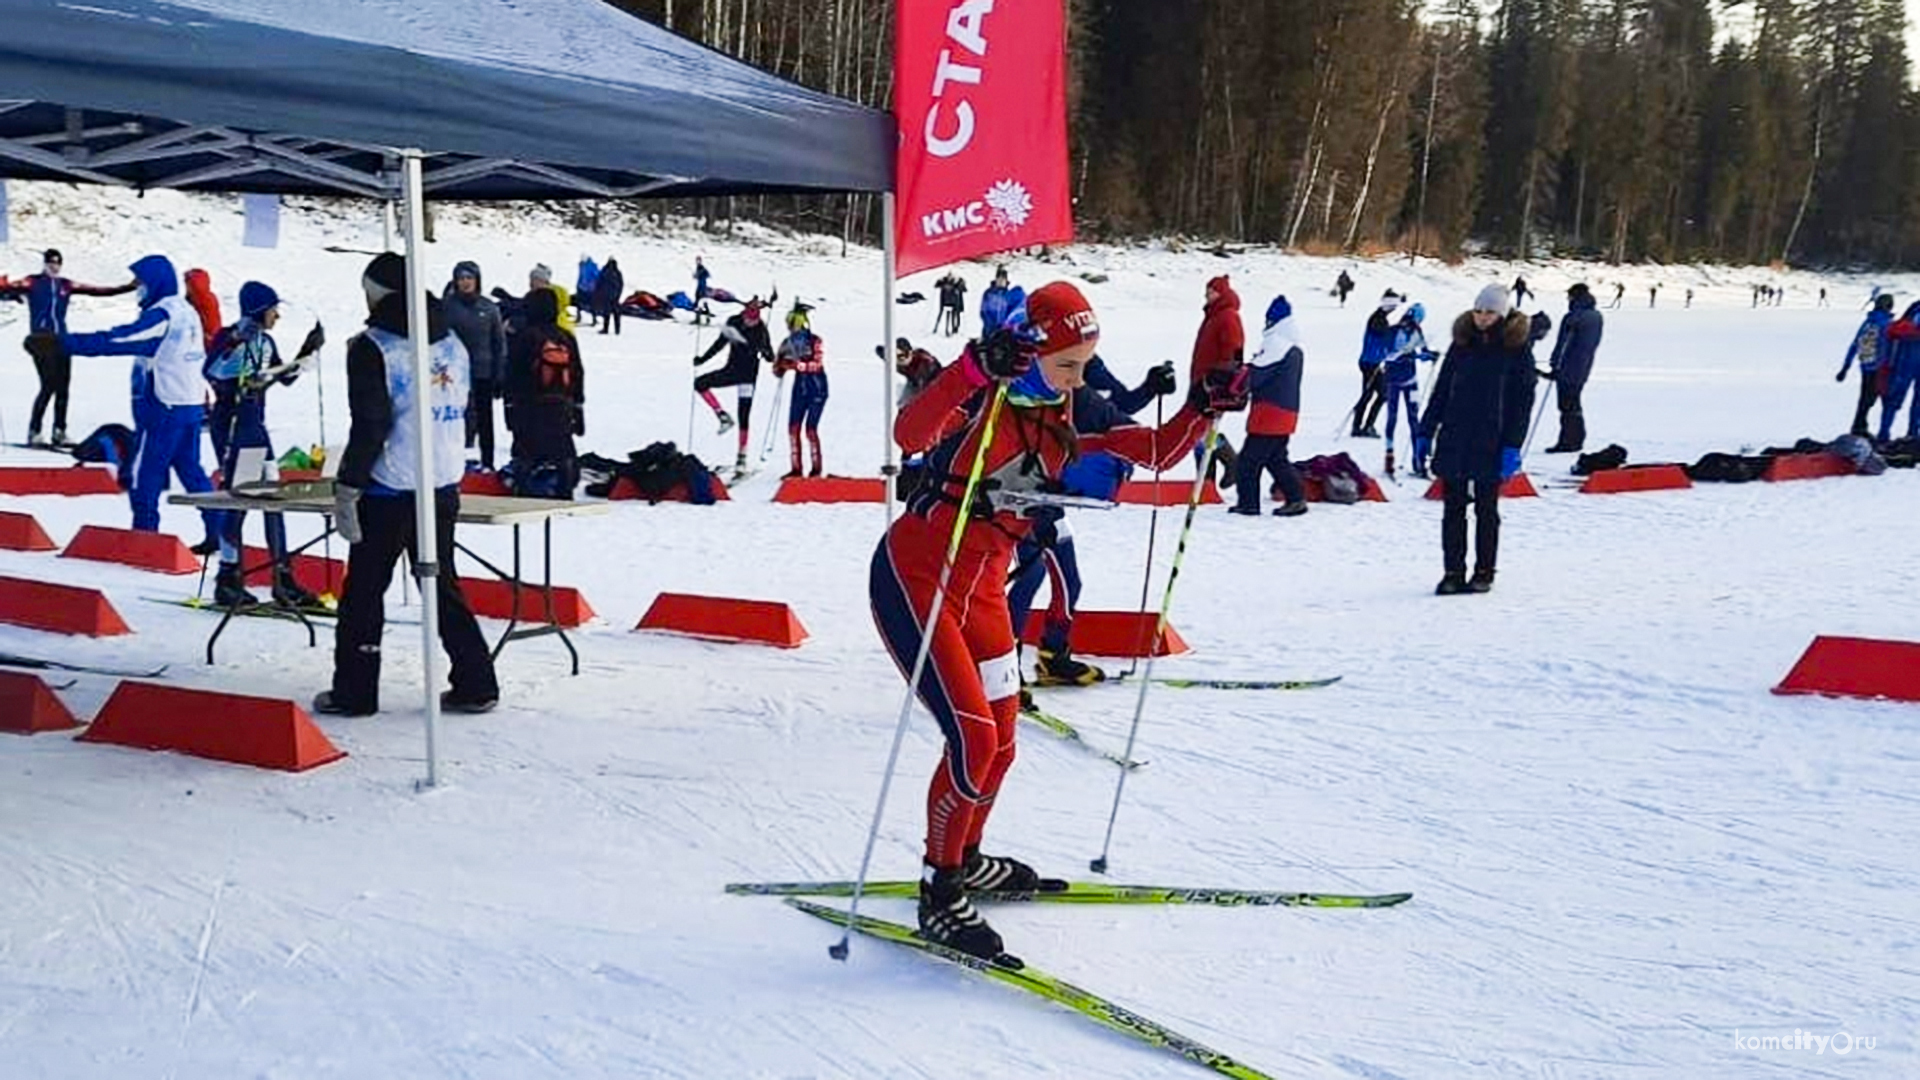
(1482, 399)
(544, 424)
(477, 321)
(747, 345)
(609, 287)
(1579, 339)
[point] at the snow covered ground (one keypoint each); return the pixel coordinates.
(1627, 857)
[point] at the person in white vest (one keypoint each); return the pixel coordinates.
(376, 486)
(169, 392)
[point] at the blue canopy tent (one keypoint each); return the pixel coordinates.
(396, 100)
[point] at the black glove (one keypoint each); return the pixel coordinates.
(316, 337)
(1541, 324)
(1004, 355)
(579, 421)
(1222, 390)
(1160, 380)
(880, 351)
(1840, 376)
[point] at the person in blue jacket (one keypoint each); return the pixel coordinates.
(583, 286)
(1401, 374)
(169, 392)
(999, 301)
(244, 364)
(1870, 346)
(1375, 346)
(1273, 416)
(1571, 364)
(46, 294)
(1047, 552)
(1477, 418)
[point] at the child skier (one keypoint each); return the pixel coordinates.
(1870, 346)
(1402, 375)
(1275, 413)
(747, 343)
(1375, 345)
(244, 364)
(971, 682)
(804, 354)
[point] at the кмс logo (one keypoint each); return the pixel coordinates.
(1006, 206)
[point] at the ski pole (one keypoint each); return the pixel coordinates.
(1153, 519)
(1099, 865)
(766, 448)
(1531, 428)
(838, 950)
(693, 395)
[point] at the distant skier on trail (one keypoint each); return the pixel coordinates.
(1342, 286)
(1619, 291)
(1871, 347)
(972, 681)
(1520, 292)
(747, 342)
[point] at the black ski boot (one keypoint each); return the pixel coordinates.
(1453, 584)
(1061, 669)
(209, 546)
(948, 917)
(1292, 509)
(230, 590)
(288, 594)
(997, 873)
(1481, 581)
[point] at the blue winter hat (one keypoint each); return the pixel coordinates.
(1418, 313)
(256, 299)
(1279, 309)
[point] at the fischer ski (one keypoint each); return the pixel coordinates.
(1087, 892)
(1013, 972)
(1072, 734)
(262, 610)
(38, 664)
(1248, 684)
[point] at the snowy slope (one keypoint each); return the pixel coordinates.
(1624, 851)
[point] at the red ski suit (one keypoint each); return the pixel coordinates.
(972, 679)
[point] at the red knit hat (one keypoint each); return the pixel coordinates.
(1062, 317)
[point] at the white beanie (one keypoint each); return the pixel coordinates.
(1494, 298)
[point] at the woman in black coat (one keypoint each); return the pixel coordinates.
(1477, 417)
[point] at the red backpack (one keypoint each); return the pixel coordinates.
(553, 369)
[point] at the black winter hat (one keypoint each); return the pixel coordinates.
(52, 255)
(1883, 302)
(1579, 291)
(384, 276)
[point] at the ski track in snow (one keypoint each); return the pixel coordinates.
(1622, 848)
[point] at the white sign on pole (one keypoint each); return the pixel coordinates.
(263, 221)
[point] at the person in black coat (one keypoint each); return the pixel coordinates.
(546, 401)
(607, 293)
(1571, 363)
(1477, 420)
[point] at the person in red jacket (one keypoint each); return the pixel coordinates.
(1220, 345)
(972, 679)
(205, 304)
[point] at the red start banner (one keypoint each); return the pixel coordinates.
(980, 93)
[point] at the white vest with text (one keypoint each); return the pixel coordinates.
(445, 402)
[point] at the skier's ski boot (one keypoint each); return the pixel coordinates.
(997, 873)
(209, 546)
(726, 422)
(740, 469)
(60, 438)
(816, 472)
(948, 917)
(791, 474)
(1481, 581)
(1292, 509)
(230, 589)
(1244, 511)
(1061, 669)
(35, 439)
(1453, 584)
(288, 594)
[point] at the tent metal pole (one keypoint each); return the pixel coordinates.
(888, 469)
(386, 242)
(426, 567)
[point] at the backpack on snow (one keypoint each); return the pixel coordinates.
(111, 444)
